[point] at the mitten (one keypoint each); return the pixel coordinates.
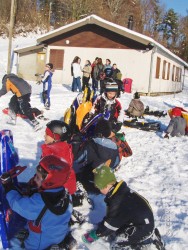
(117, 127)
(90, 237)
(6, 181)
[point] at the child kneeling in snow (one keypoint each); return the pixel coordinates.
(47, 211)
(129, 220)
(177, 124)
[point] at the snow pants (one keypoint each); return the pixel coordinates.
(21, 105)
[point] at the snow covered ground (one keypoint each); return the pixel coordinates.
(158, 168)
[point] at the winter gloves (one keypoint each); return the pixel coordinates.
(90, 237)
(7, 182)
(116, 127)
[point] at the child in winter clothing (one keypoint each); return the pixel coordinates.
(86, 74)
(47, 85)
(136, 107)
(129, 220)
(47, 211)
(20, 101)
(177, 124)
(94, 152)
(57, 136)
(109, 105)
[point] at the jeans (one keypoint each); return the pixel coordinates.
(76, 84)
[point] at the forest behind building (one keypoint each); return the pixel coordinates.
(148, 17)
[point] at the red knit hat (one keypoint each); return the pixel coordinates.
(176, 111)
(56, 137)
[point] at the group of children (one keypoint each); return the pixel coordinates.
(66, 161)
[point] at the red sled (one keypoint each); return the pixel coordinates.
(5, 111)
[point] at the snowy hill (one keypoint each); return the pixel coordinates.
(158, 168)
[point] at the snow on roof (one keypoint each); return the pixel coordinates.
(94, 19)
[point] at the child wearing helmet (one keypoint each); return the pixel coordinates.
(136, 107)
(47, 85)
(47, 211)
(109, 105)
(129, 219)
(177, 124)
(57, 136)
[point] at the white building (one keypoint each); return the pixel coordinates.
(153, 68)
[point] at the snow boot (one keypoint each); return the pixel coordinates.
(67, 244)
(12, 117)
(36, 125)
(77, 217)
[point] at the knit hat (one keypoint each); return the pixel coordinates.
(103, 128)
(103, 176)
(111, 86)
(176, 111)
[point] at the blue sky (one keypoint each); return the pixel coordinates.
(179, 6)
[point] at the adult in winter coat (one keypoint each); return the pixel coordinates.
(47, 85)
(86, 74)
(109, 105)
(129, 219)
(177, 124)
(94, 81)
(77, 72)
(94, 152)
(98, 73)
(136, 106)
(20, 101)
(47, 211)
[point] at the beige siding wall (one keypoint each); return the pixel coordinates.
(29, 64)
(132, 63)
(167, 81)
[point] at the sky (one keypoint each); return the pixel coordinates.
(158, 168)
(179, 6)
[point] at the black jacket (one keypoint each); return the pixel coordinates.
(94, 152)
(125, 207)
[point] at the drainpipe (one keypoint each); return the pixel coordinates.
(154, 50)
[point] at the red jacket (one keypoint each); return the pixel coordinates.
(62, 150)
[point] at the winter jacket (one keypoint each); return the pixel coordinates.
(108, 70)
(87, 70)
(115, 72)
(102, 105)
(98, 69)
(76, 70)
(62, 150)
(17, 85)
(47, 78)
(93, 153)
(176, 126)
(136, 107)
(54, 224)
(125, 208)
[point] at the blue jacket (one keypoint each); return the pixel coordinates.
(54, 225)
(47, 78)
